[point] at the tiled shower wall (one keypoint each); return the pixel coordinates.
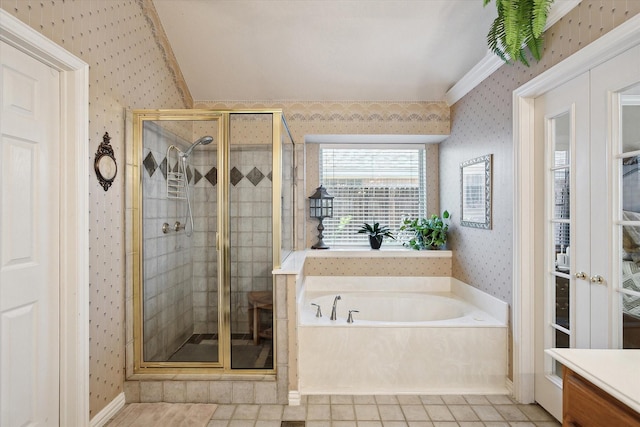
(250, 207)
(168, 269)
(205, 268)
(128, 68)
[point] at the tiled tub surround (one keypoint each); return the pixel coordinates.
(464, 351)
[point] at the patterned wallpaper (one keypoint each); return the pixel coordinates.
(309, 118)
(481, 123)
(397, 118)
(128, 68)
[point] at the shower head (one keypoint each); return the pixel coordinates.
(202, 141)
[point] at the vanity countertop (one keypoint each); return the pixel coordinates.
(616, 372)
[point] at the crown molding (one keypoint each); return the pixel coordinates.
(491, 63)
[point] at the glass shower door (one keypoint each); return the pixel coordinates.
(251, 247)
(178, 224)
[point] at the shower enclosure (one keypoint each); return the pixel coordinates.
(213, 200)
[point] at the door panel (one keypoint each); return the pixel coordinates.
(29, 221)
(600, 270)
(613, 82)
(562, 301)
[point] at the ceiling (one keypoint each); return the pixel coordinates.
(325, 50)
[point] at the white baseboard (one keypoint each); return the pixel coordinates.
(108, 411)
(509, 386)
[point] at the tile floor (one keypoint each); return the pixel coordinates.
(388, 411)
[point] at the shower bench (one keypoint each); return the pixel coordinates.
(258, 301)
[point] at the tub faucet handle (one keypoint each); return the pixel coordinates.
(334, 316)
(318, 311)
(350, 317)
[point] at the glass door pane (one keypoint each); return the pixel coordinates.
(630, 217)
(251, 249)
(179, 217)
(560, 227)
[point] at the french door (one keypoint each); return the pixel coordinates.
(586, 293)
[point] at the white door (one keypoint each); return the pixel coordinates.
(615, 126)
(562, 300)
(580, 294)
(29, 241)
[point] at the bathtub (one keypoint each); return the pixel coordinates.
(426, 335)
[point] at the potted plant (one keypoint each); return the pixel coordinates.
(519, 25)
(428, 233)
(376, 234)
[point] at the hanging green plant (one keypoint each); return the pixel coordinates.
(519, 25)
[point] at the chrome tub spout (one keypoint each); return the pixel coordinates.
(333, 310)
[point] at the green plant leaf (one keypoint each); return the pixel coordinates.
(539, 13)
(518, 27)
(535, 47)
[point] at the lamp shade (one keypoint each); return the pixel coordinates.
(321, 204)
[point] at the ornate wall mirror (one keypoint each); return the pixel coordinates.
(105, 163)
(475, 197)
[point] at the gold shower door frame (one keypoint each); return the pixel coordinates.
(223, 366)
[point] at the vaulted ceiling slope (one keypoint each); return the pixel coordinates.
(325, 50)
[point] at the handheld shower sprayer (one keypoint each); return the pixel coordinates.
(184, 155)
(205, 140)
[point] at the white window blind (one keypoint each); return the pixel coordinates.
(371, 185)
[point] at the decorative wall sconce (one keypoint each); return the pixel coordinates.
(320, 207)
(105, 163)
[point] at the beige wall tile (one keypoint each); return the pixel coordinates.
(242, 392)
(197, 391)
(220, 392)
(151, 391)
(174, 391)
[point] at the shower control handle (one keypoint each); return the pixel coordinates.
(177, 226)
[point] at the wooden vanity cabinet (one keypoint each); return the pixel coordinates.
(585, 405)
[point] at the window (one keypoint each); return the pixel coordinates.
(371, 185)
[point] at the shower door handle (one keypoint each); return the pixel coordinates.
(217, 241)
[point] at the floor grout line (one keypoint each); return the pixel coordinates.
(434, 411)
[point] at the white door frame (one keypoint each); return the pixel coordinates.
(74, 215)
(606, 47)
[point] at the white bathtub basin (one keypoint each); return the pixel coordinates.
(410, 336)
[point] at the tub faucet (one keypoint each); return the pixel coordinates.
(333, 310)
(318, 311)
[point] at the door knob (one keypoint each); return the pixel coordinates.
(581, 275)
(597, 279)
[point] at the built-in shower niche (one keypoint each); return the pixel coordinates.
(215, 219)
